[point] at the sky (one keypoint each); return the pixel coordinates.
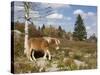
(58, 15)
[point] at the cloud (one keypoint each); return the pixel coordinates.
(78, 11)
(17, 8)
(19, 11)
(91, 14)
(81, 12)
(54, 5)
(34, 13)
(91, 32)
(59, 5)
(91, 29)
(88, 27)
(84, 14)
(55, 15)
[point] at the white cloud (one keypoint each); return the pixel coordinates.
(78, 11)
(81, 12)
(55, 15)
(91, 29)
(88, 27)
(54, 5)
(18, 8)
(91, 14)
(34, 13)
(84, 14)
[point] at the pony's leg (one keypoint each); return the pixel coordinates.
(25, 51)
(45, 54)
(49, 55)
(33, 56)
(29, 57)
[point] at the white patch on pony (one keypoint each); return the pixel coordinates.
(56, 41)
(57, 48)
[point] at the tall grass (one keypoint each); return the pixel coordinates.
(63, 58)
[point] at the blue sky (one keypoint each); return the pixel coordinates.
(59, 14)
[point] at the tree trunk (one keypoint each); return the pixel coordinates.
(26, 36)
(26, 7)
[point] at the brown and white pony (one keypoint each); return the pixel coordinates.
(43, 44)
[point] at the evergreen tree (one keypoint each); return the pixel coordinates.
(79, 30)
(59, 28)
(39, 28)
(43, 27)
(60, 31)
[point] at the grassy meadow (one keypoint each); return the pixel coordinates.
(72, 55)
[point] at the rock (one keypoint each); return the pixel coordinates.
(87, 55)
(80, 63)
(53, 67)
(65, 59)
(68, 61)
(71, 54)
(17, 31)
(16, 34)
(41, 63)
(77, 63)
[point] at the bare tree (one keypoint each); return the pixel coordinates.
(26, 8)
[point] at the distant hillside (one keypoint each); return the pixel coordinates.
(33, 32)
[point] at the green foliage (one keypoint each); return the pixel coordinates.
(67, 65)
(25, 67)
(52, 31)
(81, 48)
(61, 32)
(19, 49)
(42, 28)
(33, 32)
(79, 30)
(72, 67)
(39, 29)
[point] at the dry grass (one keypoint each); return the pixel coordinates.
(62, 58)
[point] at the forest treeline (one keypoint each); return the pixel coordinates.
(79, 33)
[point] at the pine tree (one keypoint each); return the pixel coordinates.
(43, 27)
(60, 31)
(39, 28)
(80, 30)
(59, 28)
